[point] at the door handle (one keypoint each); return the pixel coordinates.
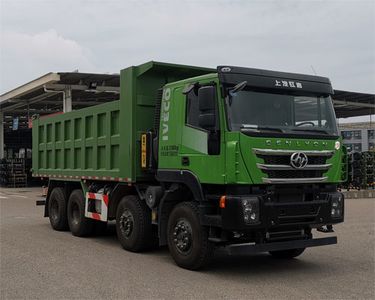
(185, 161)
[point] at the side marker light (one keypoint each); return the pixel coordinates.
(222, 202)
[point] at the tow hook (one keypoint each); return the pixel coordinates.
(325, 228)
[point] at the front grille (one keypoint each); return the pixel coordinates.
(293, 173)
(276, 165)
(285, 160)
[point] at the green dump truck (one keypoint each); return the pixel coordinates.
(197, 159)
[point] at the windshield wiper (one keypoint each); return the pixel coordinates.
(233, 91)
(258, 128)
(312, 130)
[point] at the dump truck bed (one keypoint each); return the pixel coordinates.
(102, 142)
(83, 143)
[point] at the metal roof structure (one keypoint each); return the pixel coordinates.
(353, 104)
(46, 94)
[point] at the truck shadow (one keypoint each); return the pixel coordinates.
(260, 266)
(225, 265)
(257, 264)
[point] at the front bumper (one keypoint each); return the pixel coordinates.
(281, 214)
(241, 249)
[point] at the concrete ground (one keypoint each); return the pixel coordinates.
(37, 262)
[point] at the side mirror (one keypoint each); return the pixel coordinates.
(207, 107)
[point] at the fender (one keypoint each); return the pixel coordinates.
(119, 191)
(171, 196)
(182, 176)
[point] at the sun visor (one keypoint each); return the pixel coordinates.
(280, 82)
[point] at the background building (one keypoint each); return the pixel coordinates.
(358, 137)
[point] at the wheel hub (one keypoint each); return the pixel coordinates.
(126, 223)
(182, 237)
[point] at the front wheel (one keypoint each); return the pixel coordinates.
(187, 238)
(287, 254)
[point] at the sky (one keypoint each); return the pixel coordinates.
(330, 38)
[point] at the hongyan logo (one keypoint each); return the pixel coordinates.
(165, 106)
(288, 83)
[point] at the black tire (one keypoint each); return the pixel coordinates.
(187, 238)
(133, 224)
(57, 209)
(287, 254)
(79, 225)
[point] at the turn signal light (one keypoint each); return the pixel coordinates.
(222, 202)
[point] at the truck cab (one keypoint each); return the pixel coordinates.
(261, 154)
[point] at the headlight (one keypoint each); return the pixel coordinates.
(250, 208)
(337, 206)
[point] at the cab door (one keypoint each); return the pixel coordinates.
(202, 141)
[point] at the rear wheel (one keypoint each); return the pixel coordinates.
(287, 254)
(187, 238)
(57, 210)
(79, 225)
(133, 224)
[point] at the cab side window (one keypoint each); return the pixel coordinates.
(192, 109)
(192, 119)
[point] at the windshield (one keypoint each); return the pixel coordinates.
(266, 111)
